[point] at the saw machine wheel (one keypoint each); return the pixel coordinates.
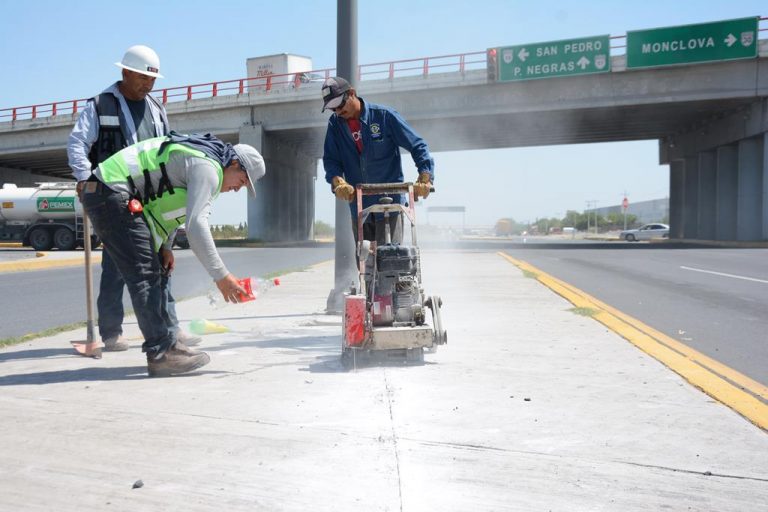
(434, 303)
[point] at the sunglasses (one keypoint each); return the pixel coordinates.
(343, 102)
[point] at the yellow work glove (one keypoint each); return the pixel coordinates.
(422, 185)
(342, 189)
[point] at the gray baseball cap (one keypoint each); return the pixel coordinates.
(333, 92)
(252, 162)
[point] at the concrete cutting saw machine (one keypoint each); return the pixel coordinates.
(385, 315)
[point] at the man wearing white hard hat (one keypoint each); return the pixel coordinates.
(138, 197)
(123, 114)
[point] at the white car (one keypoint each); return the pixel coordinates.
(180, 240)
(645, 232)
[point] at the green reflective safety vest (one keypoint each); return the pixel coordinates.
(165, 209)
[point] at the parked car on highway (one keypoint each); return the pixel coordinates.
(181, 238)
(645, 232)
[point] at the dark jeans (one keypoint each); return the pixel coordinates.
(374, 228)
(128, 241)
(110, 300)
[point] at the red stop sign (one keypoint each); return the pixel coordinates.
(625, 203)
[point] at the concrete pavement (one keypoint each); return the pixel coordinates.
(529, 407)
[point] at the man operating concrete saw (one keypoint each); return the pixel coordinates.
(362, 145)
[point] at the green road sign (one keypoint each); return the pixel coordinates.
(555, 58)
(720, 40)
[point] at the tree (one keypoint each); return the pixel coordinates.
(323, 230)
(508, 226)
(576, 220)
(615, 221)
(545, 226)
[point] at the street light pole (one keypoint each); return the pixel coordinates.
(595, 208)
(624, 205)
(346, 67)
(586, 210)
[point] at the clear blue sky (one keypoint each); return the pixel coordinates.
(60, 50)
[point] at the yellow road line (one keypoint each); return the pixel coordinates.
(43, 262)
(714, 378)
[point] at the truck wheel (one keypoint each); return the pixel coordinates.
(40, 239)
(64, 239)
(95, 242)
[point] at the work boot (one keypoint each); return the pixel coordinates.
(115, 344)
(177, 359)
(188, 339)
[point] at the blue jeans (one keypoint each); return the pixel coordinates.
(374, 228)
(128, 242)
(110, 301)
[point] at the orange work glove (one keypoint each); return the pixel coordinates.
(342, 189)
(422, 185)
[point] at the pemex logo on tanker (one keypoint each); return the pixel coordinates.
(56, 204)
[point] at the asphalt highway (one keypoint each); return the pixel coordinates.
(36, 300)
(713, 300)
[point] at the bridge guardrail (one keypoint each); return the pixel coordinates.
(424, 66)
(391, 70)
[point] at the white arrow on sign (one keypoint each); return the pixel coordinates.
(523, 54)
(583, 62)
(729, 40)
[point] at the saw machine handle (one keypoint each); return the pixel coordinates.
(368, 189)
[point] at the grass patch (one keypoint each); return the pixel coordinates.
(15, 340)
(530, 275)
(584, 311)
(279, 273)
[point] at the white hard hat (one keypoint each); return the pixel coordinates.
(141, 59)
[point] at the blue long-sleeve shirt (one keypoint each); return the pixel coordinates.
(383, 132)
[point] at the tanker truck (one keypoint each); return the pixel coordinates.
(46, 216)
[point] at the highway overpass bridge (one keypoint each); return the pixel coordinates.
(711, 121)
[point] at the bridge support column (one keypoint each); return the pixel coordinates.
(707, 194)
(294, 214)
(750, 211)
(676, 198)
(283, 210)
(257, 209)
(727, 180)
(691, 197)
(739, 188)
(721, 194)
(765, 187)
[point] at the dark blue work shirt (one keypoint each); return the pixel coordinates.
(383, 132)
